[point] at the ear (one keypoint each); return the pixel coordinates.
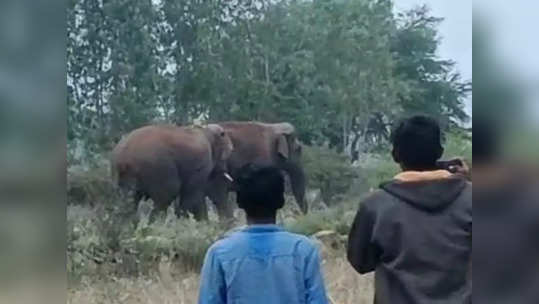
(226, 151)
(226, 146)
(284, 128)
(282, 146)
(395, 155)
(440, 152)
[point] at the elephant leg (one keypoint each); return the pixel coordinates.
(218, 194)
(158, 211)
(200, 211)
(137, 197)
(162, 196)
(161, 183)
(192, 199)
(130, 198)
(298, 181)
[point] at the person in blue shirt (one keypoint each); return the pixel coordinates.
(262, 263)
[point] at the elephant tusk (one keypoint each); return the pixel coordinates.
(228, 177)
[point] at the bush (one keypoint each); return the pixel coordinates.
(89, 185)
(329, 171)
(338, 218)
(374, 169)
(458, 144)
(105, 240)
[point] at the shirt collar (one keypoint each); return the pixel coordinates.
(263, 228)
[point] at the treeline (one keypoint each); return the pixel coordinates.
(339, 70)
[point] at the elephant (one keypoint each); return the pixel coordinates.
(163, 162)
(261, 144)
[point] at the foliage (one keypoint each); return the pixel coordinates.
(437, 87)
(89, 185)
(337, 219)
(375, 169)
(103, 239)
(458, 144)
(328, 171)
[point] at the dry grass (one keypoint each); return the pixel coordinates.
(343, 284)
(169, 283)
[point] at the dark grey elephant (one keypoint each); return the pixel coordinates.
(261, 144)
(163, 162)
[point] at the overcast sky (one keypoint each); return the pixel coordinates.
(455, 31)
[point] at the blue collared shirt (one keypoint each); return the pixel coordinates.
(262, 264)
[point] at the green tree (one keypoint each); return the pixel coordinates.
(435, 86)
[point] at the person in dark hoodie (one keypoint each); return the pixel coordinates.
(416, 231)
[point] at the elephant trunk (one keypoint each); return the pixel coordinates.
(298, 183)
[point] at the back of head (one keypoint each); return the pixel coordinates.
(260, 190)
(417, 142)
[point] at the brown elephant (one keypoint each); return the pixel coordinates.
(261, 144)
(163, 162)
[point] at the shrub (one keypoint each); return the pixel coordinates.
(374, 169)
(329, 171)
(104, 240)
(338, 218)
(458, 144)
(89, 185)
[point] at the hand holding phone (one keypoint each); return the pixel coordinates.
(455, 165)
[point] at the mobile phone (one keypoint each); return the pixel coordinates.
(450, 165)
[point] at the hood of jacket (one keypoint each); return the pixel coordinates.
(428, 190)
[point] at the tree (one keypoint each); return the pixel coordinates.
(434, 85)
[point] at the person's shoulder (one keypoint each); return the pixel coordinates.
(296, 237)
(301, 242)
(376, 199)
(227, 241)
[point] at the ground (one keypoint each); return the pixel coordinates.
(343, 284)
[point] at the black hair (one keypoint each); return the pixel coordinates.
(260, 190)
(417, 142)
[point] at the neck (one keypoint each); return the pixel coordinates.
(271, 220)
(423, 168)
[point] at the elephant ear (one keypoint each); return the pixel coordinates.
(223, 143)
(282, 146)
(283, 130)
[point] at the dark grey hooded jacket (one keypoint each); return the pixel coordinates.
(416, 234)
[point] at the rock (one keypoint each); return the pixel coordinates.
(331, 242)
